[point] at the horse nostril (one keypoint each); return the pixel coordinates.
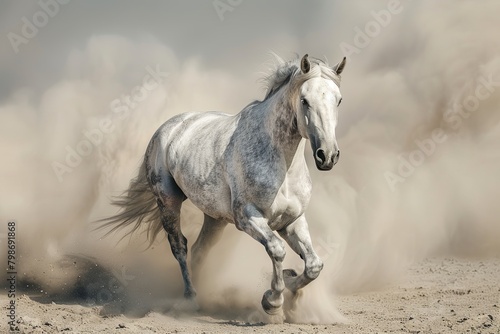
(336, 157)
(320, 154)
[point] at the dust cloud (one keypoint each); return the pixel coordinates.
(419, 132)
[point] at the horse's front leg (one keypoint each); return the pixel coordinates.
(249, 219)
(297, 236)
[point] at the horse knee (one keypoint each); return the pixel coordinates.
(312, 271)
(276, 249)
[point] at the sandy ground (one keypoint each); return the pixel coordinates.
(436, 296)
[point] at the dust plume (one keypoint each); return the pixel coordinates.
(418, 173)
(417, 176)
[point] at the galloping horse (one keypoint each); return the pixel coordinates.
(246, 169)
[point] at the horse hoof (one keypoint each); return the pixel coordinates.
(271, 308)
(190, 294)
(187, 305)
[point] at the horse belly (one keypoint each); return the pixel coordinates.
(211, 196)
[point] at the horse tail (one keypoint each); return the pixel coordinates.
(138, 206)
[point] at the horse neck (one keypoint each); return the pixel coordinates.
(281, 125)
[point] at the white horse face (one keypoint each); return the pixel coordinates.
(319, 102)
(318, 115)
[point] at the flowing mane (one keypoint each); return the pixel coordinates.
(289, 72)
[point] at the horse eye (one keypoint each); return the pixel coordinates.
(304, 102)
(339, 102)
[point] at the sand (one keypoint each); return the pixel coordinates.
(435, 296)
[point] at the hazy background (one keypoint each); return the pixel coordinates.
(427, 60)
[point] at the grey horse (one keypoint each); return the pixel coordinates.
(246, 169)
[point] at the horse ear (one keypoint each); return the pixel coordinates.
(305, 65)
(339, 67)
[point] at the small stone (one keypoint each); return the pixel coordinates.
(121, 325)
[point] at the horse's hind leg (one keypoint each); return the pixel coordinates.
(210, 233)
(170, 198)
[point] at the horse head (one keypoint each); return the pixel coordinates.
(318, 102)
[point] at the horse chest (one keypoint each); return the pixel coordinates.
(289, 204)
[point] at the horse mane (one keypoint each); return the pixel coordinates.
(288, 73)
(285, 72)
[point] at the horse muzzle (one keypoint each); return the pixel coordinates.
(326, 160)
